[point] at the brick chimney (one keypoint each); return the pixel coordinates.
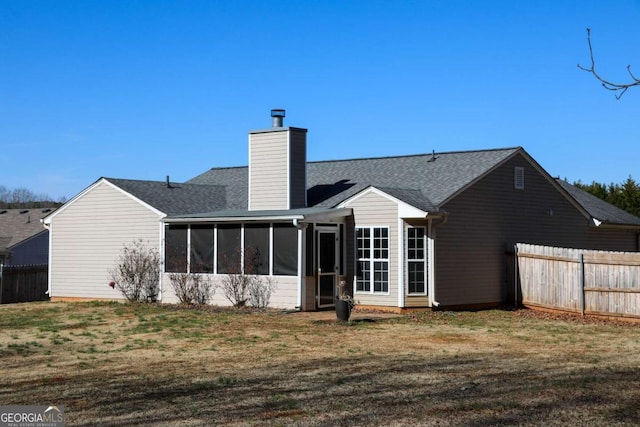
(278, 166)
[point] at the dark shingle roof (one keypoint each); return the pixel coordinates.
(17, 225)
(424, 181)
(175, 199)
(598, 208)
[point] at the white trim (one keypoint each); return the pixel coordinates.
(50, 228)
(288, 202)
(161, 247)
(272, 247)
(188, 249)
(372, 260)
(425, 261)
(249, 173)
(241, 248)
(405, 210)
(400, 263)
(301, 248)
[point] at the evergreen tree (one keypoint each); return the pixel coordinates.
(626, 196)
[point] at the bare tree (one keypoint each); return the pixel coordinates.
(621, 88)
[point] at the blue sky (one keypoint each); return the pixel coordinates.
(145, 89)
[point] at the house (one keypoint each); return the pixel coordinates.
(23, 239)
(430, 230)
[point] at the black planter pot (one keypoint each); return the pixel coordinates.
(343, 310)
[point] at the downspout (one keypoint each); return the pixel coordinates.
(515, 275)
(432, 255)
(48, 227)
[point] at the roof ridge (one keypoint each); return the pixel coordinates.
(399, 156)
(419, 155)
(159, 182)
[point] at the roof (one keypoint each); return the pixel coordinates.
(175, 198)
(273, 214)
(425, 181)
(599, 209)
(17, 225)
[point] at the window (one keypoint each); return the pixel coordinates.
(229, 253)
(268, 249)
(416, 260)
(518, 178)
(285, 250)
(201, 260)
(175, 248)
(256, 248)
(372, 246)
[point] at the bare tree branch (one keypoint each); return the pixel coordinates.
(618, 87)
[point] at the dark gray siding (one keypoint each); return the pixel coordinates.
(491, 215)
(31, 251)
(298, 168)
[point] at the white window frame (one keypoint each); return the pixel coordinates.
(372, 260)
(422, 260)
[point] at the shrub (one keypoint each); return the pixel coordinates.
(260, 290)
(191, 288)
(137, 273)
(242, 285)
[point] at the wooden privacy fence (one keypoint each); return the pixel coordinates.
(578, 280)
(23, 283)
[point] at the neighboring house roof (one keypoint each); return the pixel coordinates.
(17, 225)
(599, 209)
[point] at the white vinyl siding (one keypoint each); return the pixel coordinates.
(375, 210)
(277, 169)
(88, 235)
(268, 170)
(285, 295)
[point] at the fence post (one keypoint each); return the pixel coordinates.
(582, 283)
(1, 281)
(515, 275)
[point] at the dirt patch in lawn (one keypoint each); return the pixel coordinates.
(114, 364)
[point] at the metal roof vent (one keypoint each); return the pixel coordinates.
(277, 117)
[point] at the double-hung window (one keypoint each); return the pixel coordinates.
(372, 245)
(416, 260)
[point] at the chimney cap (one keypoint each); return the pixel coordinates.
(277, 112)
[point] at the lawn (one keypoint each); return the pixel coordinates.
(113, 364)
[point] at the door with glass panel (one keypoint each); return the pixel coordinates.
(327, 274)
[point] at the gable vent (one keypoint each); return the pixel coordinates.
(518, 178)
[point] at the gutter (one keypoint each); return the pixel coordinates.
(442, 215)
(47, 226)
